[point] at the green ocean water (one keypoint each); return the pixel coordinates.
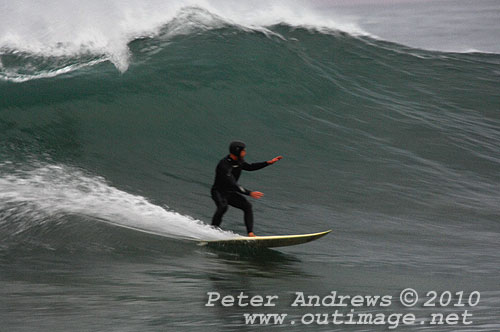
(105, 178)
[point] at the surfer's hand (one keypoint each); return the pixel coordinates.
(272, 161)
(256, 194)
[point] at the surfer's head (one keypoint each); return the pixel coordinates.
(237, 149)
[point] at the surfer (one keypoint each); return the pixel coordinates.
(226, 190)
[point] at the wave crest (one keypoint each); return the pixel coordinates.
(55, 39)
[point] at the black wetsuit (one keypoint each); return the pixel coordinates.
(226, 190)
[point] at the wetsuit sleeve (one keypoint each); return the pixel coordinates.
(230, 181)
(254, 166)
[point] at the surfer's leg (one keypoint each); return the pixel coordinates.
(240, 202)
(221, 203)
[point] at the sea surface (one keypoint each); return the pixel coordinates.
(113, 116)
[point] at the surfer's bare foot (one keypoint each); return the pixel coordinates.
(251, 234)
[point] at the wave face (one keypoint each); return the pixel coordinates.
(366, 125)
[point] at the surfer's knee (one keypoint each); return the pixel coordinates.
(247, 206)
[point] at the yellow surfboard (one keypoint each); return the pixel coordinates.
(265, 241)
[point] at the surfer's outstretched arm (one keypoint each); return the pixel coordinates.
(256, 166)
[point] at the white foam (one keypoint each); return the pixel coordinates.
(52, 190)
